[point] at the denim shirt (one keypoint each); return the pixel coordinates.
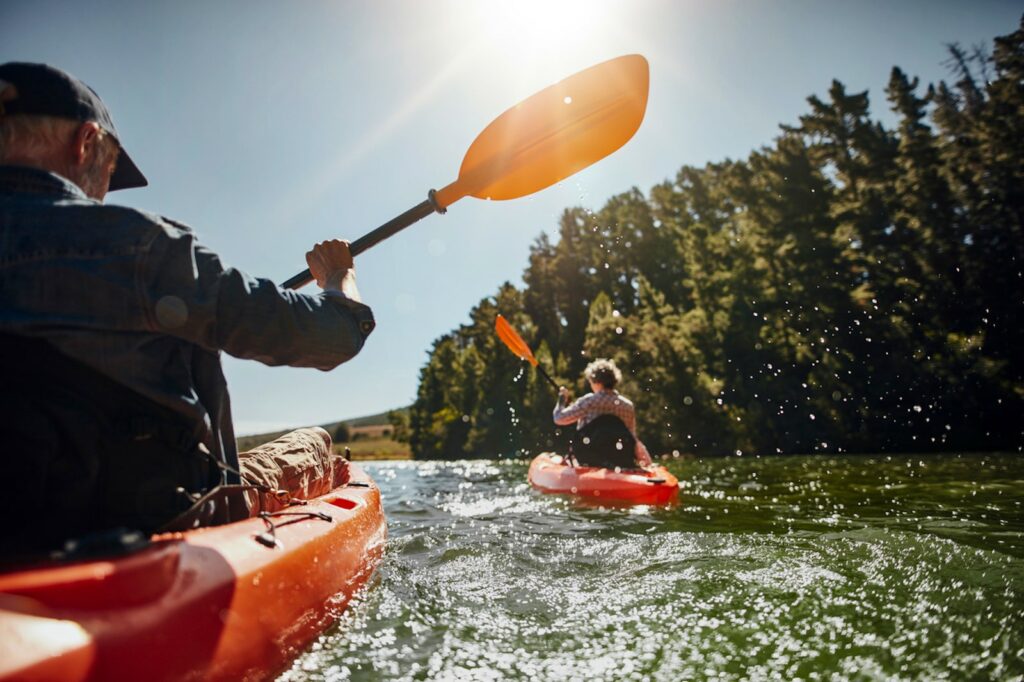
(138, 298)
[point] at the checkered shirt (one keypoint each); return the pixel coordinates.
(592, 405)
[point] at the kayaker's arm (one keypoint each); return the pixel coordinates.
(643, 456)
(570, 414)
(192, 295)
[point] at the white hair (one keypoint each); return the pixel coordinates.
(22, 135)
(28, 138)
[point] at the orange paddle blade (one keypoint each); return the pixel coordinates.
(555, 133)
(510, 337)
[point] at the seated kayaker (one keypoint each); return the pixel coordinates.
(112, 322)
(605, 421)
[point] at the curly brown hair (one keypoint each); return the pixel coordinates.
(604, 372)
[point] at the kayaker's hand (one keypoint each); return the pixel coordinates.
(331, 265)
(563, 395)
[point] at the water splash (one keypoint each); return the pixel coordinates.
(768, 568)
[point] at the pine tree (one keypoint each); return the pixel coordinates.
(845, 288)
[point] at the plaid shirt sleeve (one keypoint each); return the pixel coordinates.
(593, 404)
(580, 411)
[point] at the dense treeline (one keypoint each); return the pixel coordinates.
(849, 288)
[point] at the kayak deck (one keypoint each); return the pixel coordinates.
(550, 474)
(213, 603)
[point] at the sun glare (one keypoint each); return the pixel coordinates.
(531, 22)
(550, 32)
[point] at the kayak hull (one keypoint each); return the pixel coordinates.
(210, 604)
(550, 474)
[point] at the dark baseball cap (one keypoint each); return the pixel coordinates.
(43, 90)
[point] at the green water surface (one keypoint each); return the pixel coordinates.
(811, 568)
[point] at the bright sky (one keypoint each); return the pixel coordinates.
(268, 126)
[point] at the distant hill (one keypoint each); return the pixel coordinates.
(372, 420)
(374, 425)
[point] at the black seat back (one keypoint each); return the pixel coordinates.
(82, 453)
(605, 442)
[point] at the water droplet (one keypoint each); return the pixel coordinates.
(171, 312)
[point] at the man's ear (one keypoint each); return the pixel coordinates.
(86, 137)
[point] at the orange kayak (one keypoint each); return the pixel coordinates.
(207, 604)
(549, 473)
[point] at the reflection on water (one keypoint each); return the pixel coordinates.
(777, 568)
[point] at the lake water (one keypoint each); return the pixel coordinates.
(902, 567)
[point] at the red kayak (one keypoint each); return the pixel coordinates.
(550, 473)
(209, 604)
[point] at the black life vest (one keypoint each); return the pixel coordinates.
(605, 442)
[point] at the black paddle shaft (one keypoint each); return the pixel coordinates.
(414, 214)
(545, 375)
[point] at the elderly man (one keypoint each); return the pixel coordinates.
(115, 409)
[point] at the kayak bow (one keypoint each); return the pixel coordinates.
(213, 603)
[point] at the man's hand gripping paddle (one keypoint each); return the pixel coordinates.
(544, 139)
